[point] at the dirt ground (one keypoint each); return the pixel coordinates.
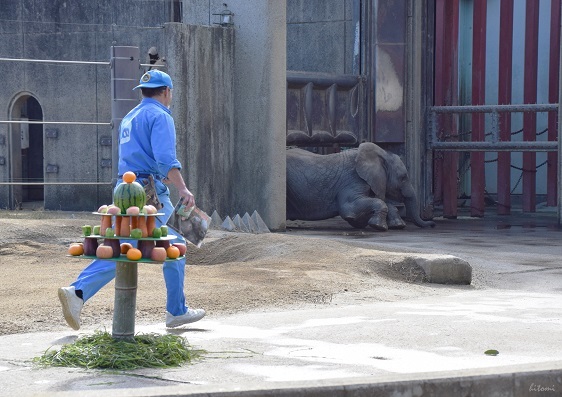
(231, 272)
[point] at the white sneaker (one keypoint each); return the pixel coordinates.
(191, 316)
(71, 306)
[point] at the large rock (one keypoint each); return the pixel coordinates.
(444, 269)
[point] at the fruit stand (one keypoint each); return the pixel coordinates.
(133, 222)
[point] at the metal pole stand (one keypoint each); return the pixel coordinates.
(126, 276)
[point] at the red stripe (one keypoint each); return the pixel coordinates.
(530, 96)
(477, 174)
(446, 87)
(504, 98)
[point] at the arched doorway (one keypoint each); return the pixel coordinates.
(26, 149)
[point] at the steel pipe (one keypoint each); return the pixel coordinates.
(524, 146)
(53, 122)
(54, 61)
(544, 107)
(51, 183)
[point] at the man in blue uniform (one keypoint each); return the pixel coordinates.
(147, 146)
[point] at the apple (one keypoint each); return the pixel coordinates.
(113, 210)
(125, 247)
(181, 247)
(149, 209)
(158, 254)
(136, 233)
(156, 232)
(134, 210)
(87, 230)
(102, 209)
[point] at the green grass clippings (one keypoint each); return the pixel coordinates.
(101, 350)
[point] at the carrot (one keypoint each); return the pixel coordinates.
(117, 226)
(150, 224)
(125, 228)
(134, 222)
(142, 226)
(105, 223)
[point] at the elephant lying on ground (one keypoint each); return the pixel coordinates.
(354, 184)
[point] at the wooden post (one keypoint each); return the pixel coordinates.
(126, 276)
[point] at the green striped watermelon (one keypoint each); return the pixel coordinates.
(128, 195)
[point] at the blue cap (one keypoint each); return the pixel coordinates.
(154, 78)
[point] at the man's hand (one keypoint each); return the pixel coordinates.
(186, 196)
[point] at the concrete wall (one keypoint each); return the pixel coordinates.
(231, 130)
(320, 36)
(201, 63)
(259, 103)
(77, 31)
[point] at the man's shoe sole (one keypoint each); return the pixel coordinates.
(66, 310)
(174, 325)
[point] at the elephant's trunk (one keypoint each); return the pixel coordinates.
(411, 205)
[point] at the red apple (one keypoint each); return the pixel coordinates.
(181, 247)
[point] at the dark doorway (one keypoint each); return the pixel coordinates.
(27, 149)
(32, 155)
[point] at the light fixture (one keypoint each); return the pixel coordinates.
(226, 17)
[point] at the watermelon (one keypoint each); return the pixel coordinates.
(129, 195)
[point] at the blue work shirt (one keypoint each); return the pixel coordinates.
(147, 140)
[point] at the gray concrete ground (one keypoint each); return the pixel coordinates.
(431, 346)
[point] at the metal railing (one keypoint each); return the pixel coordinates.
(495, 145)
(86, 123)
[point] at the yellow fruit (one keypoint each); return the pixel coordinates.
(134, 254)
(76, 249)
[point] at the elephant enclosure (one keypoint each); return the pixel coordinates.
(231, 272)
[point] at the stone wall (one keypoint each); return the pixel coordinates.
(71, 31)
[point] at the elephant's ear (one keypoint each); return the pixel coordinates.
(371, 167)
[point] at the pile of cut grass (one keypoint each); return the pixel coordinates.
(101, 350)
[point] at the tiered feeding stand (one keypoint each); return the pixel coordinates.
(126, 278)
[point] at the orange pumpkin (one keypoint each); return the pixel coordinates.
(134, 254)
(76, 249)
(173, 252)
(129, 177)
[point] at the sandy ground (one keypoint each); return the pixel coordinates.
(231, 272)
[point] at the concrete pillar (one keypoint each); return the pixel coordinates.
(260, 110)
(259, 105)
(125, 74)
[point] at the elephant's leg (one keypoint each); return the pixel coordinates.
(365, 211)
(393, 218)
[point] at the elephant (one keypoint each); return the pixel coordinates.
(361, 185)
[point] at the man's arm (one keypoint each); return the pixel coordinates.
(174, 176)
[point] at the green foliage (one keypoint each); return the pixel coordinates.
(101, 350)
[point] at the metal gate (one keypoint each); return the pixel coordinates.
(492, 133)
